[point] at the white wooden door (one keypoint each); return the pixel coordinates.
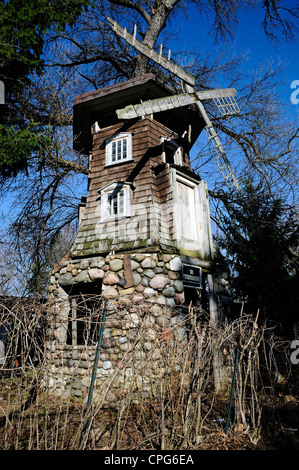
(187, 211)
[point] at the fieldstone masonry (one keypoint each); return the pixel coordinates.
(142, 320)
(155, 278)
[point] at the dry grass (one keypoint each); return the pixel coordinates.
(185, 412)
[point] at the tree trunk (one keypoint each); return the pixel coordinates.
(160, 13)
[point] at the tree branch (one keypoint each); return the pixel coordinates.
(58, 162)
(133, 6)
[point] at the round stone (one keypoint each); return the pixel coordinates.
(180, 333)
(132, 320)
(65, 279)
(161, 300)
(151, 334)
(139, 288)
(177, 319)
(158, 269)
(128, 291)
(116, 332)
(111, 397)
(96, 273)
(169, 291)
(116, 264)
(163, 321)
(81, 277)
(148, 263)
(172, 275)
(84, 264)
(149, 273)
(178, 299)
(134, 265)
(148, 291)
(159, 281)
(139, 257)
(137, 298)
(148, 322)
(179, 286)
(122, 340)
(175, 264)
(111, 279)
(110, 292)
(97, 263)
(137, 279)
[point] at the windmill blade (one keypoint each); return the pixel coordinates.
(226, 105)
(171, 102)
(151, 54)
(156, 106)
(221, 158)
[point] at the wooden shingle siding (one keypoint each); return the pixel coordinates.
(151, 193)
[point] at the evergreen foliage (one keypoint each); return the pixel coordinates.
(261, 243)
(23, 29)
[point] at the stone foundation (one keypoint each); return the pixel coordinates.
(137, 347)
(145, 325)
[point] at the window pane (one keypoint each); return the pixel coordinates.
(121, 202)
(113, 151)
(124, 149)
(119, 150)
(114, 204)
(109, 204)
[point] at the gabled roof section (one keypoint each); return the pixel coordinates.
(113, 184)
(101, 105)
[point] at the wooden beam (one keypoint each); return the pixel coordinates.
(215, 93)
(170, 102)
(155, 106)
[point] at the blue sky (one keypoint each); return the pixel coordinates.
(249, 37)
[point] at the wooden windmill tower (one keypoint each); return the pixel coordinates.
(144, 236)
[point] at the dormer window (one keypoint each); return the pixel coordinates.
(172, 153)
(115, 201)
(119, 149)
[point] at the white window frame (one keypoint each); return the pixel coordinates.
(177, 155)
(193, 228)
(202, 242)
(119, 149)
(117, 196)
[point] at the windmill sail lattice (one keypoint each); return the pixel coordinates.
(224, 100)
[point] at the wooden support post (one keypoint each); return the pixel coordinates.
(128, 273)
(217, 366)
(212, 300)
(74, 322)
